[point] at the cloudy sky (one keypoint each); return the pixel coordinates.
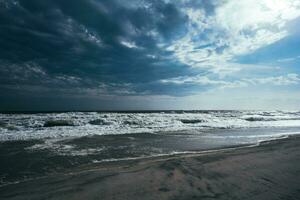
(149, 54)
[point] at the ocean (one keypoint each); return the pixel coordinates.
(34, 145)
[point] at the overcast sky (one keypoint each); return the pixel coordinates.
(149, 54)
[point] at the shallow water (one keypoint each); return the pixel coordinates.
(34, 145)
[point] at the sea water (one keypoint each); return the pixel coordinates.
(36, 144)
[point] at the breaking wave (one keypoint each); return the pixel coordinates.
(52, 123)
(78, 124)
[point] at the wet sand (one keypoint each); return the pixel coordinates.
(268, 171)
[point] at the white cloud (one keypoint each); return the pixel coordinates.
(237, 28)
(289, 79)
(90, 36)
(204, 81)
(22, 71)
(107, 89)
(129, 44)
(288, 59)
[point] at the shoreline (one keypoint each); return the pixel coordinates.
(178, 177)
(97, 165)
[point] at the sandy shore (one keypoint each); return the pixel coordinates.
(268, 171)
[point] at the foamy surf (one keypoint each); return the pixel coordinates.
(44, 143)
(79, 124)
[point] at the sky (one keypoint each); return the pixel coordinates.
(149, 54)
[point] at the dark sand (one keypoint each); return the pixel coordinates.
(269, 171)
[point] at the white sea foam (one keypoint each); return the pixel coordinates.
(31, 126)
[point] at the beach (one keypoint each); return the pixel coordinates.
(149, 100)
(270, 170)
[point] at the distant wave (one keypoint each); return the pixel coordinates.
(131, 122)
(78, 124)
(192, 121)
(52, 123)
(7, 126)
(253, 119)
(99, 122)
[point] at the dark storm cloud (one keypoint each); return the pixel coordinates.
(90, 48)
(95, 41)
